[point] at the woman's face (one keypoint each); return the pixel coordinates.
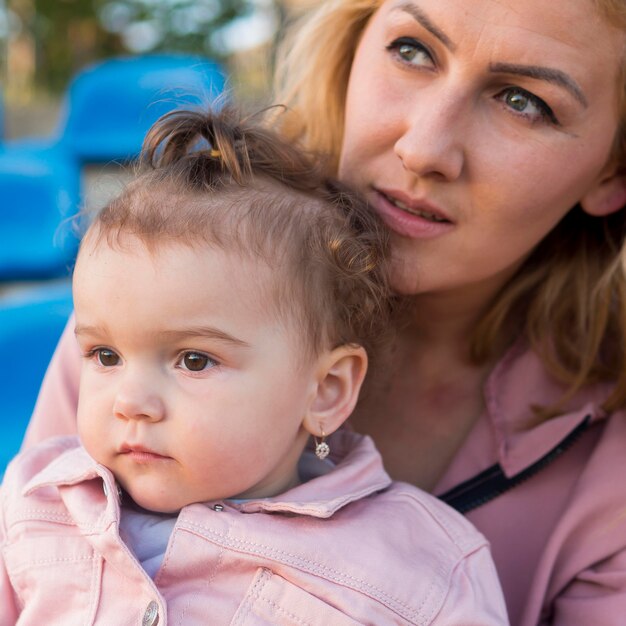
(474, 126)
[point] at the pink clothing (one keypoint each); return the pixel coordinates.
(346, 548)
(558, 539)
(55, 411)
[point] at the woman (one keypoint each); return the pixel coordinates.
(489, 136)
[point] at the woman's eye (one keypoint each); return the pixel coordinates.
(410, 51)
(106, 357)
(527, 104)
(196, 361)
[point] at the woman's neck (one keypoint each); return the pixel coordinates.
(441, 321)
(427, 381)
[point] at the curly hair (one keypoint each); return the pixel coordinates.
(215, 178)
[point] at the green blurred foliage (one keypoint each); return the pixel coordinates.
(69, 34)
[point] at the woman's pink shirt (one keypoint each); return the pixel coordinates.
(558, 539)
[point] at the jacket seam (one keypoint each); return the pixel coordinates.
(253, 595)
(297, 561)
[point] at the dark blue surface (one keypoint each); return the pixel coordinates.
(39, 193)
(31, 323)
(111, 105)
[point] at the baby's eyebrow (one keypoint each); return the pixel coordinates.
(203, 331)
(179, 334)
(85, 329)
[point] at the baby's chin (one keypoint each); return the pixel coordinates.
(162, 505)
(151, 496)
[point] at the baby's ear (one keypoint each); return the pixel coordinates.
(340, 377)
(606, 197)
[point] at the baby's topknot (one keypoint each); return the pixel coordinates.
(213, 148)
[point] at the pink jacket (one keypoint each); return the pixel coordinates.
(558, 538)
(335, 551)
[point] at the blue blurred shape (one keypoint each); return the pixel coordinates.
(111, 105)
(2, 115)
(39, 192)
(31, 322)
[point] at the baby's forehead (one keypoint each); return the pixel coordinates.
(195, 252)
(309, 239)
(264, 284)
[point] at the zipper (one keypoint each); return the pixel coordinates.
(493, 482)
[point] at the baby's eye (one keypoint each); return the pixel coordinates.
(106, 357)
(196, 361)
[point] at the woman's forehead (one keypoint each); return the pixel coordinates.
(569, 20)
(574, 33)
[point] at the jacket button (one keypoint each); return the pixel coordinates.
(105, 489)
(151, 616)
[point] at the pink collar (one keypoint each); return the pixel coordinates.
(518, 382)
(358, 473)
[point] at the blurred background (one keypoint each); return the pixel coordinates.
(80, 83)
(43, 43)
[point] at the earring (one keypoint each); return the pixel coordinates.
(322, 449)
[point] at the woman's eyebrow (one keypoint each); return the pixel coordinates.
(417, 14)
(556, 77)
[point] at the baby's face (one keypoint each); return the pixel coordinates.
(192, 389)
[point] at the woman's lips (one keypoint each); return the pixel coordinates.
(410, 218)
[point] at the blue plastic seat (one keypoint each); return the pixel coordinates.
(111, 105)
(39, 192)
(31, 322)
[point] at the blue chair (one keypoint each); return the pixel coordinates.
(31, 322)
(111, 105)
(108, 110)
(39, 192)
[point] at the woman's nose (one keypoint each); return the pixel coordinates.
(434, 139)
(138, 400)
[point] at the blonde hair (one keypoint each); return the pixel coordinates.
(570, 294)
(312, 73)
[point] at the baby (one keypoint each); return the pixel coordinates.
(225, 306)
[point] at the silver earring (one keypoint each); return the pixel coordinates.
(322, 449)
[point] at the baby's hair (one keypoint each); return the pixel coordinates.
(216, 178)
